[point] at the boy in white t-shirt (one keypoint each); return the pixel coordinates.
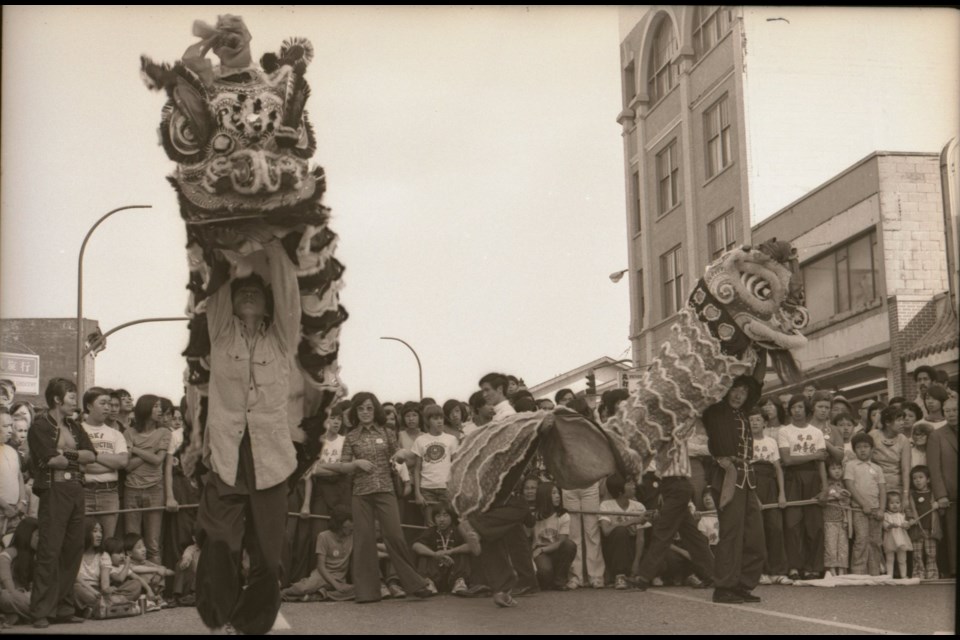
(622, 536)
(434, 450)
(101, 478)
(771, 491)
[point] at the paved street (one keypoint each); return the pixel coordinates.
(924, 609)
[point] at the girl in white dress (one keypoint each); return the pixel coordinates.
(896, 541)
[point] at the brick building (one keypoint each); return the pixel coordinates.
(872, 248)
(55, 341)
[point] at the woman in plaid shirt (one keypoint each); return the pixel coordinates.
(369, 453)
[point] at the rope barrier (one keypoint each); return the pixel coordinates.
(140, 510)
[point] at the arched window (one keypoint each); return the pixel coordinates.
(663, 73)
(710, 23)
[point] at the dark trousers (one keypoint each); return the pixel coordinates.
(231, 520)
(503, 542)
(59, 552)
(947, 551)
(553, 568)
(366, 573)
(803, 526)
(769, 493)
(444, 577)
(619, 549)
(741, 551)
(675, 517)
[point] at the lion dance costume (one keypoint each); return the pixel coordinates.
(749, 303)
(239, 134)
(242, 141)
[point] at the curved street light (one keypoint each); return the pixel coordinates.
(83, 247)
(102, 339)
(419, 368)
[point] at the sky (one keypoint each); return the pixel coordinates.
(826, 87)
(474, 170)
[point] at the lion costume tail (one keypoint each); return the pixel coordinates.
(491, 461)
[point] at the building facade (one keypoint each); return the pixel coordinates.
(684, 144)
(54, 340)
(873, 257)
(692, 135)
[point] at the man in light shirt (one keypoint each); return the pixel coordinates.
(101, 481)
(494, 389)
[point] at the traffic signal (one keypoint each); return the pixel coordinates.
(591, 384)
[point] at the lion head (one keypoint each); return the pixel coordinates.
(759, 288)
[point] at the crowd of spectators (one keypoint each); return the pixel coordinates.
(370, 516)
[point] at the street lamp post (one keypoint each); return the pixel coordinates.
(83, 247)
(103, 338)
(419, 367)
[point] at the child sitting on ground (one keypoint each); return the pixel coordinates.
(121, 570)
(924, 524)
(836, 523)
(434, 451)
(708, 522)
(443, 556)
(150, 574)
(868, 490)
(622, 538)
(896, 541)
(185, 576)
(553, 550)
(93, 578)
(328, 581)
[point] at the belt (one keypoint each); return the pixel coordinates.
(101, 486)
(59, 475)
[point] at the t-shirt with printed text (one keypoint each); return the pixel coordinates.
(435, 453)
(105, 440)
(766, 450)
(803, 441)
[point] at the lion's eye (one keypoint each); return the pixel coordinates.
(756, 285)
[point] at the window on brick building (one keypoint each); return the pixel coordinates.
(671, 274)
(720, 235)
(716, 133)
(710, 23)
(668, 178)
(846, 279)
(664, 74)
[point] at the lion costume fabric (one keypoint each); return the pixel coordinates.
(749, 303)
(242, 143)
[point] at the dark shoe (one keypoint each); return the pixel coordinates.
(638, 583)
(744, 593)
(41, 623)
(726, 596)
(68, 620)
(524, 591)
(476, 591)
(811, 575)
(503, 599)
(425, 592)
